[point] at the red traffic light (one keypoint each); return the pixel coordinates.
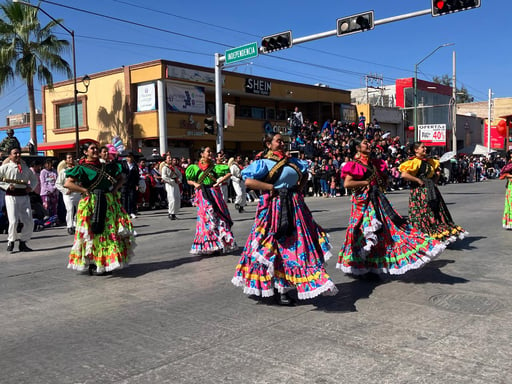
(443, 7)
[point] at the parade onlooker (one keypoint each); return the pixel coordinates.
(70, 198)
(130, 186)
(235, 168)
(49, 191)
(172, 178)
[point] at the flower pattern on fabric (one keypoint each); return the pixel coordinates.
(212, 232)
(438, 226)
(285, 262)
(382, 246)
(109, 250)
(507, 212)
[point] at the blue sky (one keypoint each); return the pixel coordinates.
(193, 31)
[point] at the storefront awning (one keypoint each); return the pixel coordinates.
(62, 145)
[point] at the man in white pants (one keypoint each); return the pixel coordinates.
(17, 180)
(172, 177)
(71, 199)
(235, 168)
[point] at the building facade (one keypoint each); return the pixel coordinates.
(167, 102)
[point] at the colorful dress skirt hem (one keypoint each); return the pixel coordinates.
(281, 262)
(379, 240)
(213, 232)
(110, 250)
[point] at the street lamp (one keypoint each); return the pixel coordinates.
(86, 79)
(416, 87)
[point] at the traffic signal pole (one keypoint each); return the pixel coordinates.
(221, 59)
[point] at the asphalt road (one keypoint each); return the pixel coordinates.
(175, 318)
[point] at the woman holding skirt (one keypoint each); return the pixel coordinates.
(286, 249)
(213, 225)
(104, 234)
(427, 209)
(506, 173)
(378, 240)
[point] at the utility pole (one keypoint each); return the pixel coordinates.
(454, 112)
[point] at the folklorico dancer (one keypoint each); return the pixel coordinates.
(378, 240)
(213, 226)
(235, 169)
(70, 198)
(172, 178)
(506, 174)
(104, 233)
(427, 209)
(17, 180)
(286, 249)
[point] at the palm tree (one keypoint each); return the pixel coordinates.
(28, 50)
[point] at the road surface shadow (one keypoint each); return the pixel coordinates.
(159, 232)
(465, 243)
(136, 270)
(431, 273)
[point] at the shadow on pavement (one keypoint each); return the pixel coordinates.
(158, 232)
(465, 243)
(347, 297)
(136, 270)
(431, 273)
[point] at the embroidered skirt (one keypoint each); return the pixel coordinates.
(213, 230)
(294, 260)
(507, 212)
(377, 243)
(436, 222)
(109, 250)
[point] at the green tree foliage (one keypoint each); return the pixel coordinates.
(463, 95)
(29, 51)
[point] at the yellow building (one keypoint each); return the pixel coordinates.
(145, 103)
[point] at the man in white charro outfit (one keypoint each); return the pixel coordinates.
(172, 177)
(71, 199)
(235, 169)
(17, 180)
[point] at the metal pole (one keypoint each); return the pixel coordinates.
(454, 95)
(75, 92)
(489, 123)
(416, 102)
(218, 103)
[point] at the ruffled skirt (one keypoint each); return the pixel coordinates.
(507, 212)
(436, 224)
(376, 243)
(213, 232)
(284, 262)
(109, 250)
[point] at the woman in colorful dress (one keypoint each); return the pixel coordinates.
(427, 209)
(378, 240)
(506, 174)
(213, 225)
(104, 234)
(286, 249)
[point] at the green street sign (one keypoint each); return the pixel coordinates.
(244, 52)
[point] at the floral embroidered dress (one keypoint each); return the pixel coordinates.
(507, 211)
(378, 239)
(286, 249)
(104, 232)
(427, 209)
(213, 225)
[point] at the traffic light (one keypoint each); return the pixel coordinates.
(355, 23)
(440, 7)
(209, 125)
(276, 42)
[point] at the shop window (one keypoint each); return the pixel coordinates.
(65, 115)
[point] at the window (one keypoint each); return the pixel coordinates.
(64, 111)
(66, 115)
